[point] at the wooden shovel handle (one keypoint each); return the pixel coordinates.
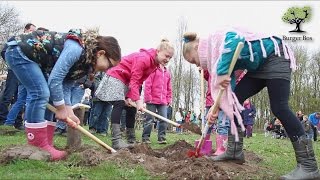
(158, 116)
(202, 100)
(84, 131)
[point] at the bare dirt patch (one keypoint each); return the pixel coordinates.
(170, 162)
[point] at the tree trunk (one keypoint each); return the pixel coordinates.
(297, 29)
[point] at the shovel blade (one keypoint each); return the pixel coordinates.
(192, 127)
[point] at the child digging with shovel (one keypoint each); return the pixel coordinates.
(269, 62)
(120, 87)
(66, 57)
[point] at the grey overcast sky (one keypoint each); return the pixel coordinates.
(141, 24)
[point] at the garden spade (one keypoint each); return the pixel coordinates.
(207, 146)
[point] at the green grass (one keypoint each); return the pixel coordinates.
(29, 169)
(277, 155)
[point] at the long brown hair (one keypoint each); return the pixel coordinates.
(107, 43)
(110, 45)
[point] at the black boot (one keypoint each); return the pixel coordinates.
(117, 142)
(306, 162)
(131, 136)
(234, 150)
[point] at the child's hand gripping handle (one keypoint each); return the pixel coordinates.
(84, 131)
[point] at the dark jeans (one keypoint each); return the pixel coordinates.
(9, 95)
(100, 116)
(315, 133)
(248, 131)
(278, 91)
(18, 106)
(86, 117)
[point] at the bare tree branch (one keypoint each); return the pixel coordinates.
(9, 25)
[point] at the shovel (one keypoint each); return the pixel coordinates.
(190, 126)
(84, 131)
(207, 145)
(215, 107)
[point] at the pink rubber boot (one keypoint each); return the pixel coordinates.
(50, 131)
(37, 135)
(220, 144)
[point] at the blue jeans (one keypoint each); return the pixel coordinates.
(101, 112)
(211, 127)
(17, 106)
(73, 94)
(222, 127)
(31, 76)
(179, 130)
(9, 92)
(147, 125)
(310, 135)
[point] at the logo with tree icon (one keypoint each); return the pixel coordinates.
(297, 16)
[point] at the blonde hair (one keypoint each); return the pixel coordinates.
(165, 45)
(189, 38)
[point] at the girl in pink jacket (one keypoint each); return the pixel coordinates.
(269, 62)
(157, 96)
(121, 85)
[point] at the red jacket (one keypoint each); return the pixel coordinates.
(134, 69)
(157, 89)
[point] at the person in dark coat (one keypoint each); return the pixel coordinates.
(248, 117)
